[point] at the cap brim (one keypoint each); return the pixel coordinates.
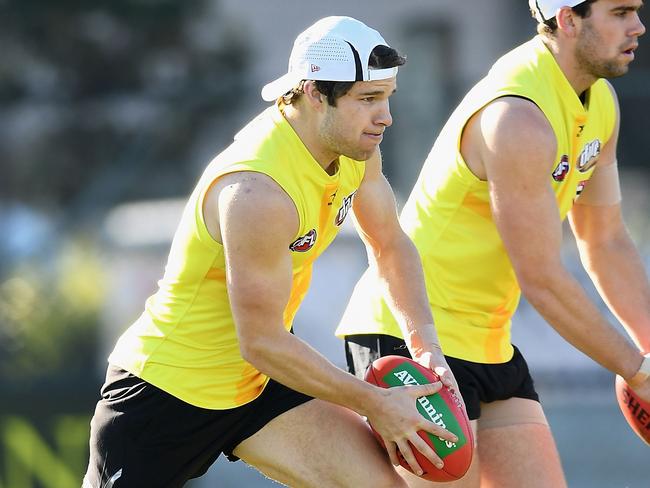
(275, 89)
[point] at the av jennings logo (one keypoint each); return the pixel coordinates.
(432, 407)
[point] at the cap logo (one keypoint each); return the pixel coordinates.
(313, 68)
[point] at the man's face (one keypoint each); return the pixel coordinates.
(608, 37)
(354, 127)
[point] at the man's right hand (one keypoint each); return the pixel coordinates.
(397, 420)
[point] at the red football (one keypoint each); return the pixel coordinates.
(443, 408)
(635, 410)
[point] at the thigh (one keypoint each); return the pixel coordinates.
(512, 411)
(319, 444)
(518, 449)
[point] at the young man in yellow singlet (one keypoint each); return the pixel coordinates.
(211, 366)
(530, 144)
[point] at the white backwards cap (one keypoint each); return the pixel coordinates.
(333, 49)
(546, 9)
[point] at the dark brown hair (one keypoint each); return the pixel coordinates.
(549, 28)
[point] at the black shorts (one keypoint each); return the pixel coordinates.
(477, 382)
(142, 436)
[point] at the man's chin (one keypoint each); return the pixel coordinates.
(616, 72)
(363, 155)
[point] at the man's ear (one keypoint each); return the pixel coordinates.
(566, 21)
(315, 98)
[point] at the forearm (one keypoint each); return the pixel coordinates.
(560, 299)
(400, 272)
(619, 274)
(292, 362)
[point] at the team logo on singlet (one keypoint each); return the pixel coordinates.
(589, 155)
(304, 243)
(346, 205)
(562, 169)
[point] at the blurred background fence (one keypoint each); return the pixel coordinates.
(109, 110)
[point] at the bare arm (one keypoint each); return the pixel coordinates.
(517, 147)
(614, 265)
(607, 251)
(242, 207)
(395, 260)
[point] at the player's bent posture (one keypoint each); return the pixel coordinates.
(211, 366)
(531, 143)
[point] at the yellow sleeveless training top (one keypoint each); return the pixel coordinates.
(472, 288)
(185, 341)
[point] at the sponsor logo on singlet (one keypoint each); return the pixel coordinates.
(589, 155)
(346, 205)
(304, 243)
(580, 187)
(562, 169)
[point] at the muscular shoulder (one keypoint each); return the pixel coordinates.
(508, 130)
(513, 122)
(249, 200)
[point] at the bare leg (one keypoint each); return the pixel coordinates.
(319, 444)
(516, 447)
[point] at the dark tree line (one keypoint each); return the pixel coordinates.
(105, 100)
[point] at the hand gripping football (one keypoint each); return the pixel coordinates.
(443, 408)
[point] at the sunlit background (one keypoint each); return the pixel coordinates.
(109, 110)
